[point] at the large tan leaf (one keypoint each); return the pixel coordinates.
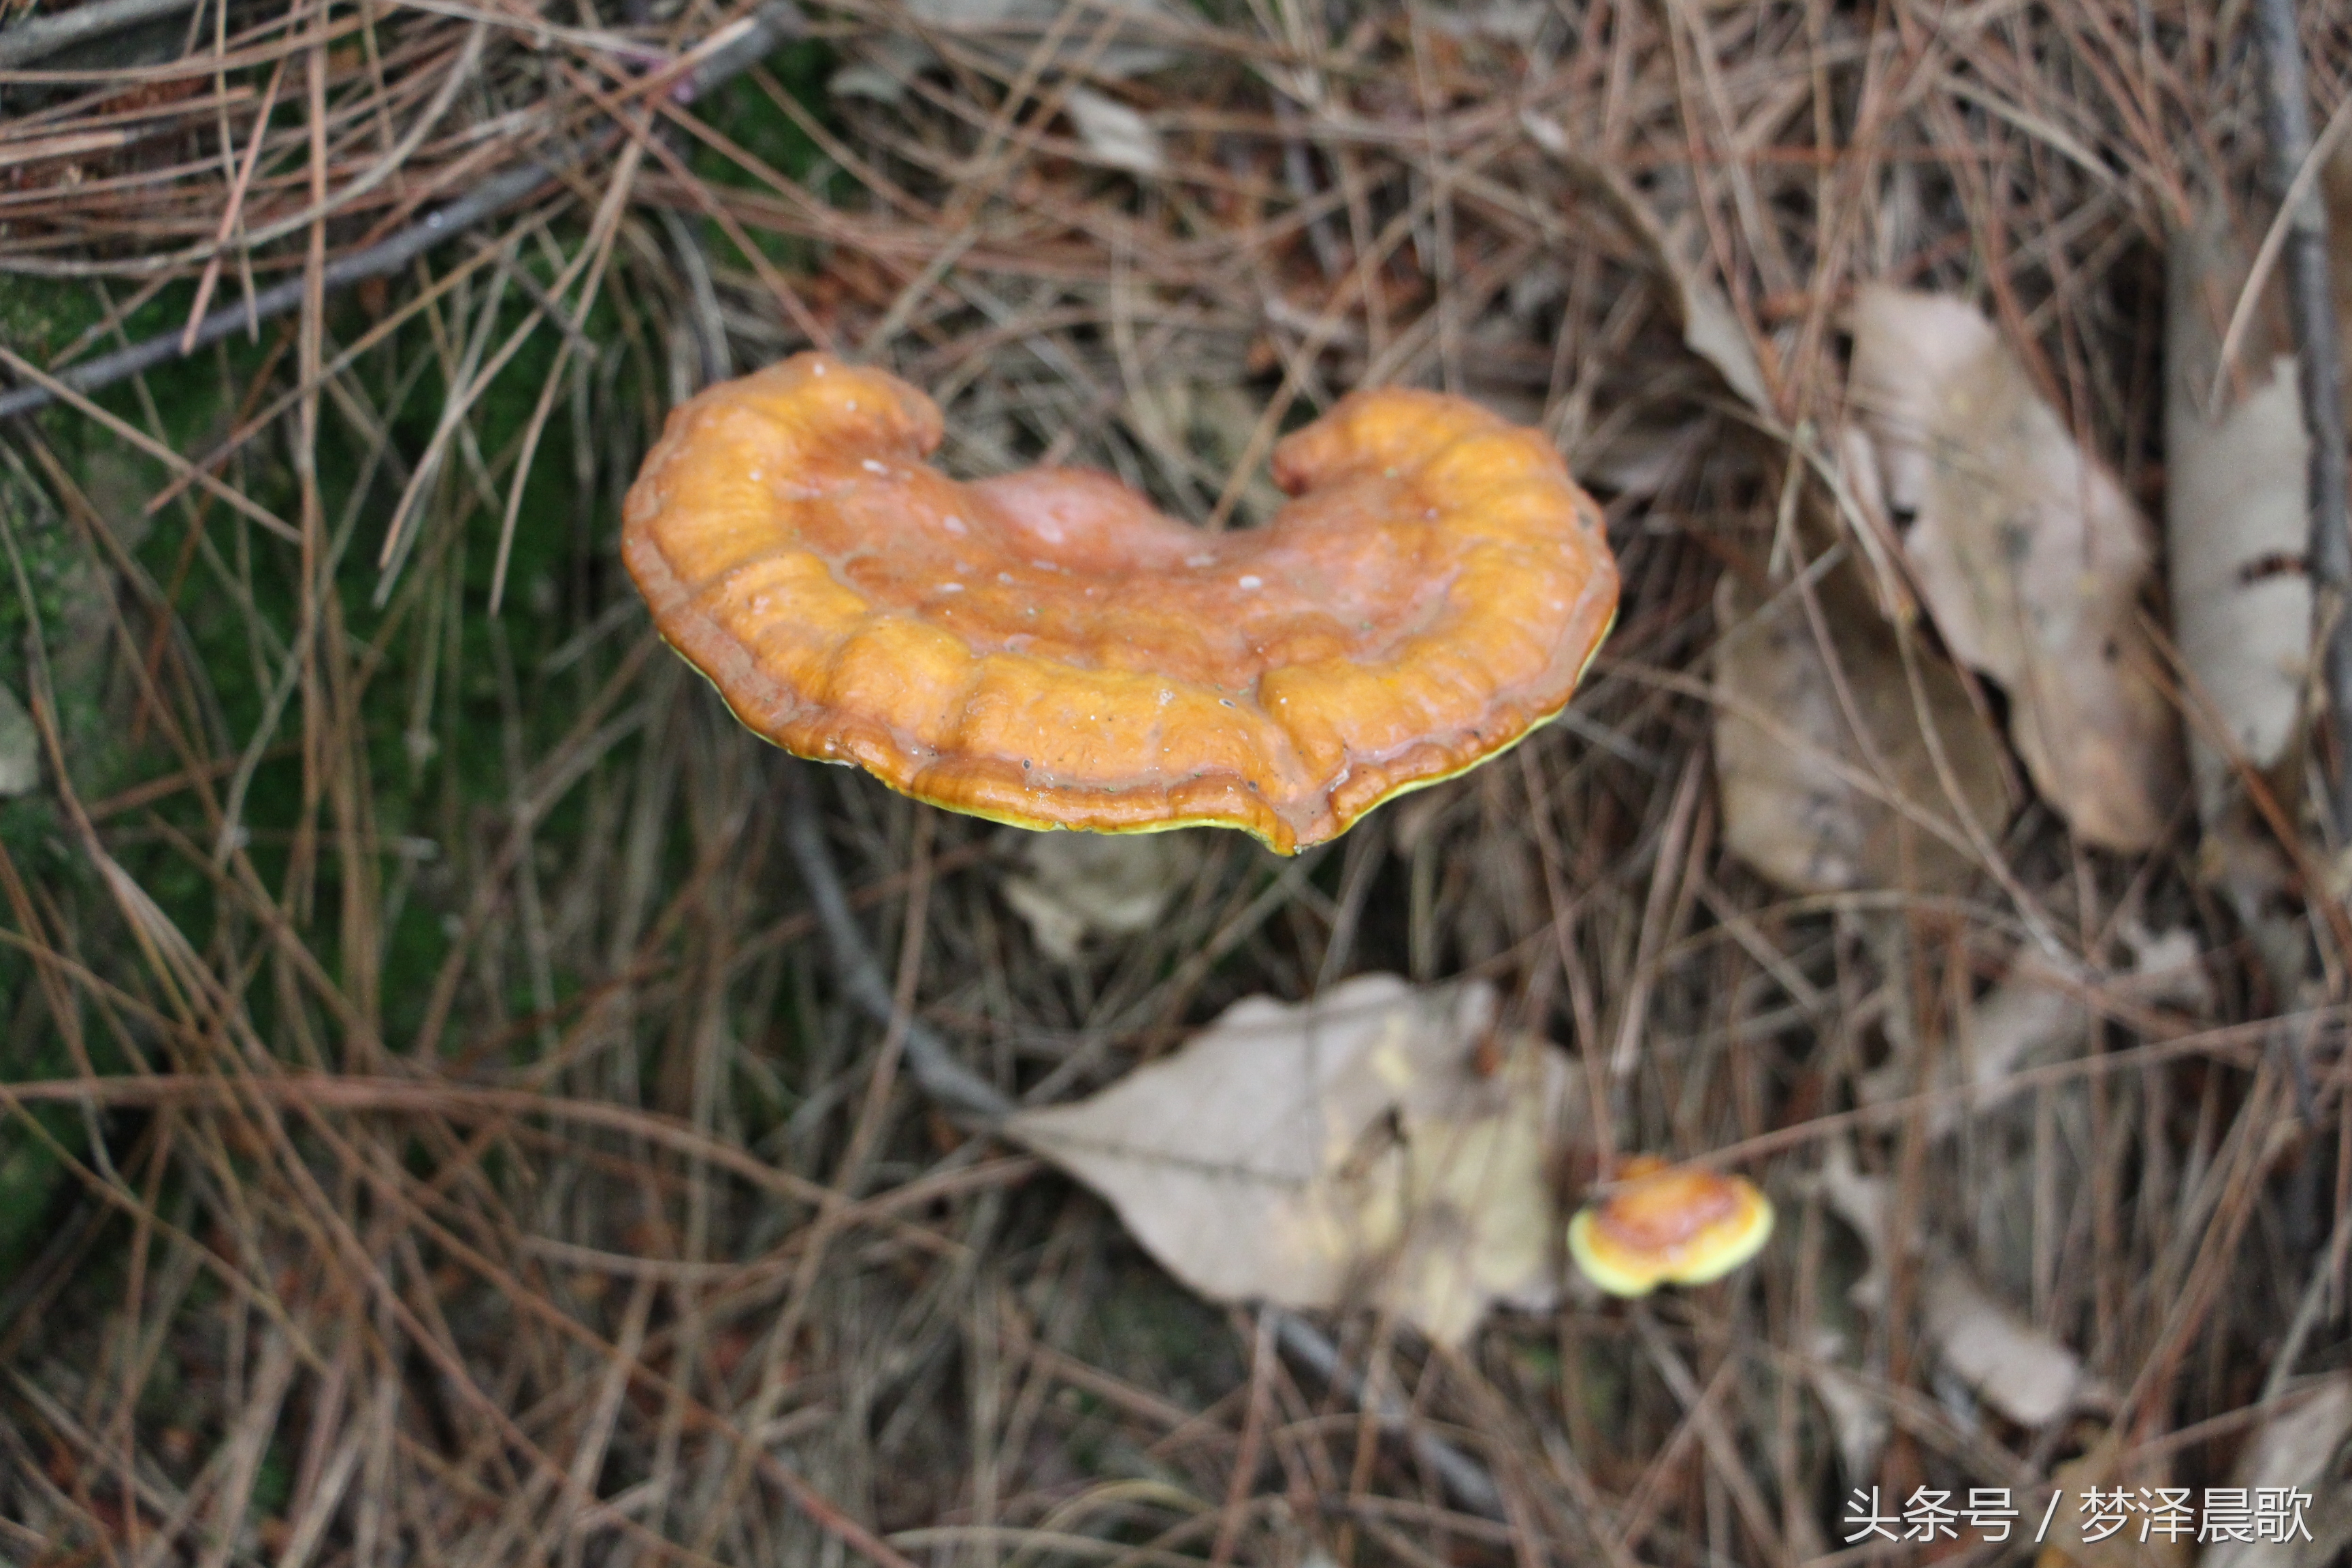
(1822, 796)
(1372, 1145)
(2028, 555)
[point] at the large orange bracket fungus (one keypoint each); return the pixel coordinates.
(1046, 650)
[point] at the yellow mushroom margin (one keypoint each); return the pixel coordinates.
(1668, 1225)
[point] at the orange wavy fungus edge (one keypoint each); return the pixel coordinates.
(1047, 649)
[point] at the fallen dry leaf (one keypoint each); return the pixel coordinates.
(2306, 1448)
(2236, 535)
(2235, 517)
(1076, 885)
(2028, 1014)
(2017, 1369)
(2035, 1012)
(2028, 554)
(1857, 1411)
(1805, 800)
(2014, 1367)
(1864, 1202)
(1864, 516)
(1114, 133)
(1367, 1146)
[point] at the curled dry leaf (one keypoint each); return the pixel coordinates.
(2306, 1447)
(2028, 554)
(1824, 796)
(1076, 885)
(1370, 1145)
(2028, 1014)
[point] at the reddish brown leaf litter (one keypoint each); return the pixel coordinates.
(448, 1133)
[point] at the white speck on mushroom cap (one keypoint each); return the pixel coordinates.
(1252, 584)
(950, 588)
(954, 524)
(871, 466)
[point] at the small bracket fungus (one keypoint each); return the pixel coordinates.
(1667, 1225)
(1048, 650)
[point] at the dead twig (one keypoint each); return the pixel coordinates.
(2311, 308)
(957, 1089)
(44, 36)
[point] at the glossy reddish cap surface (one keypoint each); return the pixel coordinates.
(1047, 649)
(1668, 1225)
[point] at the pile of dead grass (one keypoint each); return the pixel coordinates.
(441, 1137)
